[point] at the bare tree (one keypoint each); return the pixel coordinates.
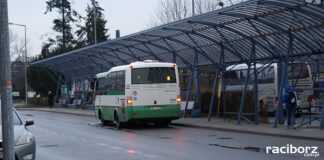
(17, 47)
(203, 6)
(172, 10)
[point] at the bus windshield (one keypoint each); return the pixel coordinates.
(297, 71)
(237, 77)
(153, 75)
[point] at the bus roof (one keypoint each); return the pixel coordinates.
(258, 65)
(242, 66)
(138, 64)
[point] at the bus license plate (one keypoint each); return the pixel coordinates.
(156, 108)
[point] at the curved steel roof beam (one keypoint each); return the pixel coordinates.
(175, 53)
(131, 54)
(102, 57)
(212, 40)
(299, 6)
(184, 44)
(137, 57)
(264, 38)
(202, 52)
(79, 73)
(118, 50)
(266, 22)
(63, 64)
(82, 67)
(77, 62)
(135, 40)
(247, 37)
(188, 64)
(149, 52)
(122, 60)
(65, 54)
(227, 41)
(307, 29)
(99, 64)
(163, 48)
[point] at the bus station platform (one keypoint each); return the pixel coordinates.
(305, 132)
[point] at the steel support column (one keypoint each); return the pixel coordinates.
(247, 79)
(283, 77)
(189, 86)
(196, 110)
(256, 93)
(57, 87)
(216, 84)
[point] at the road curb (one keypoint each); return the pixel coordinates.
(56, 111)
(197, 126)
(248, 131)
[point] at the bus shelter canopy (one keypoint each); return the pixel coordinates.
(267, 29)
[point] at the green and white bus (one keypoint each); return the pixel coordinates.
(141, 91)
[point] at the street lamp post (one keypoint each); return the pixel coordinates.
(94, 21)
(193, 7)
(25, 57)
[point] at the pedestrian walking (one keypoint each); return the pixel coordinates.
(290, 100)
(50, 99)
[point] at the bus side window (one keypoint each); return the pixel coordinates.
(101, 86)
(120, 80)
(113, 81)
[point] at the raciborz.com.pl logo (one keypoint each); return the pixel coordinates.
(308, 151)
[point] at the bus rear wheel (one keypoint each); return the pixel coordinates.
(117, 121)
(103, 122)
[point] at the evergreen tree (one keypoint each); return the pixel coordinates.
(86, 33)
(62, 24)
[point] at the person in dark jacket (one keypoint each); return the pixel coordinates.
(50, 99)
(290, 99)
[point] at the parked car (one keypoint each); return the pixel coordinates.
(25, 145)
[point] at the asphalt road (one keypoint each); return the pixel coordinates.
(72, 137)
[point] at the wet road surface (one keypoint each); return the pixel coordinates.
(72, 137)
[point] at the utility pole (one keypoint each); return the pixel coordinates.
(26, 61)
(94, 21)
(6, 85)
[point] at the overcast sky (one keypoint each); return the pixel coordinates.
(129, 16)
